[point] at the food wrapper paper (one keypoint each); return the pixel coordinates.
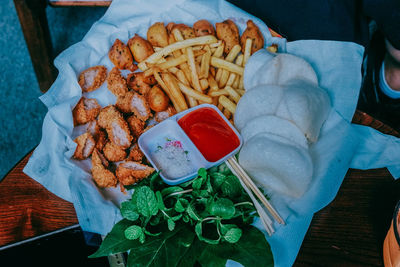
(342, 145)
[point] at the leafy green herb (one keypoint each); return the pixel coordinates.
(204, 221)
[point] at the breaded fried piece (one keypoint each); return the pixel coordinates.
(203, 27)
(102, 176)
(85, 110)
(157, 35)
(114, 153)
(136, 125)
(92, 78)
(229, 33)
(254, 33)
(116, 83)
(117, 128)
(157, 99)
(187, 32)
(140, 48)
(136, 103)
(131, 172)
(138, 82)
(85, 146)
(121, 56)
(135, 154)
(99, 135)
(162, 115)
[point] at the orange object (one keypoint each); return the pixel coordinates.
(274, 33)
(210, 133)
(391, 245)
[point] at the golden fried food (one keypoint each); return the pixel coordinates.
(114, 153)
(130, 172)
(117, 128)
(138, 82)
(121, 56)
(135, 154)
(102, 176)
(229, 33)
(140, 48)
(85, 110)
(116, 83)
(157, 99)
(252, 32)
(186, 31)
(99, 135)
(203, 27)
(92, 78)
(162, 115)
(136, 103)
(136, 125)
(85, 146)
(157, 35)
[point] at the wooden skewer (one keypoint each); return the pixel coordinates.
(247, 180)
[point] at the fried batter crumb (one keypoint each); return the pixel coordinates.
(130, 172)
(85, 146)
(116, 83)
(92, 78)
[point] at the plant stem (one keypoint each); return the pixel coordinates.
(179, 193)
(243, 203)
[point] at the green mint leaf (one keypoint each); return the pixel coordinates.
(185, 218)
(192, 214)
(217, 179)
(133, 232)
(151, 234)
(171, 224)
(146, 201)
(179, 206)
(222, 207)
(198, 182)
(223, 168)
(142, 238)
(202, 173)
(233, 235)
(176, 218)
(199, 232)
(231, 187)
(160, 201)
(171, 189)
(129, 211)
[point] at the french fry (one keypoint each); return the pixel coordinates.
(173, 62)
(241, 83)
(247, 51)
(213, 84)
(239, 60)
(193, 70)
(220, 51)
(207, 39)
(236, 83)
(222, 75)
(191, 101)
(186, 70)
(231, 79)
(205, 65)
(226, 103)
(181, 77)
(218, 93)
(195, 94)
(229, 66)
(233, 94)
(216, 45)
(156, 73)
(174, 70)
(241, 91)
(204, 84)
(175, 93)
(227, 113)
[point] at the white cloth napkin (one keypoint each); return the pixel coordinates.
(341, 144)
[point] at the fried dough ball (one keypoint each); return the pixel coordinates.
(187, 32)
(102, 176)
(157, 99)
(130, 172)
(85, 110)
(136, 125)
(136, 103)
(121, 56)
(229, 33)
(117, 128)
(116, 83)
(92, 78)
(135, 154)
(162, 115)
(114, 153)
(254, 33)
(85, 146)
(140, 48)
(138, 82)
(157, 35)
(203, 27)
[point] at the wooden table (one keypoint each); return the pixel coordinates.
(348, 232)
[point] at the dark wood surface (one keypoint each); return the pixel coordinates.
(79, 3)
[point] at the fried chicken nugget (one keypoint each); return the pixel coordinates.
(117, 128)
(229, 33)
(114, 153)
(121, 56)
(85, 110)
(92, 78)
(136, 103)
(85, 146)
(99, 135)
(102, 176)
(140, 48)
(187, 32)
(157, 35)
(136, 125)
(203, 27)
(162, 115)
(135, 154)
(130, 172)
(116, 83)
(138, 82)
(157, 99)
(252, 32)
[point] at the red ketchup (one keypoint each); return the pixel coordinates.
(209, 133)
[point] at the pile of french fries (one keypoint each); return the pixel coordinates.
(194, 71)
